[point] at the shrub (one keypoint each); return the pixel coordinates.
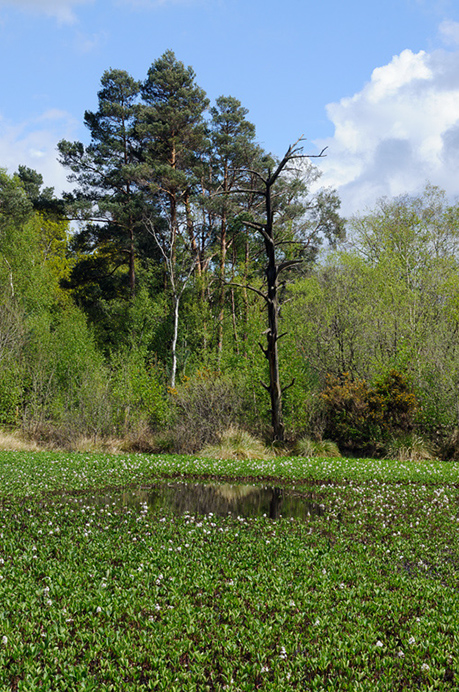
(10, 395)
(203, 408)
(349, 412)
(138, 398)
(360, 416)
(66, 387)
(449, 448)
(394, 403)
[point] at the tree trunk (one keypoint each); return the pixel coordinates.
(233, 304)
(174, 340)
(131, 263)
(245, 297)
(272, 334)
(191, 234)
(221, 300)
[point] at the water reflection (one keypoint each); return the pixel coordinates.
(218, 498)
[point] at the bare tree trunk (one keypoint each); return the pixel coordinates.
(221, 300)
(264, 188)
(272, 335)
(178, 279)
(174, 339)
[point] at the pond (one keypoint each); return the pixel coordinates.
(205, 498)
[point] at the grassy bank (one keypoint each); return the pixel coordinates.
(118, 598)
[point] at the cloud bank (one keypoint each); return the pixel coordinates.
(62, 10)
(399, 131)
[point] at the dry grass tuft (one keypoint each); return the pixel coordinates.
(15, 441)
(309, 448)
(235, 443)
(410, 447)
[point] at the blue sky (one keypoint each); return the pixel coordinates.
(378, 83)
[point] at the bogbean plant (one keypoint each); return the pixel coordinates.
(101, 595)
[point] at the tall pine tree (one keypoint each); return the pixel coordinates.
(173, 136)
(107, 198)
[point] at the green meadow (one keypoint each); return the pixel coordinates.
(113, 596)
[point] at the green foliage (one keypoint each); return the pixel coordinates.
(10, 395)
(66, 382)
(203, 407)
(137, 394)
(161, 227)
(15, 206)
(349, 414)
(359, 415)
(361, 595)
(394, 403)
(105, 171)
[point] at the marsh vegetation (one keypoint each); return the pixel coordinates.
(99, 591)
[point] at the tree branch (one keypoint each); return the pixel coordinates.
(287, 264)
(250, 288)
(284, 389)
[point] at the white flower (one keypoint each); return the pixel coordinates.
(379, 644)
(98, 609)
(425, 667)
(411, 640)
(264, 669)
(401, 654)
(4, 639)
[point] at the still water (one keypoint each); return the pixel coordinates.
(219, 498)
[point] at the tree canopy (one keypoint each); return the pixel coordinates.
(183, 248)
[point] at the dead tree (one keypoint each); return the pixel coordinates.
(274, 268)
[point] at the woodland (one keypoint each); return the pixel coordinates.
(192, 284)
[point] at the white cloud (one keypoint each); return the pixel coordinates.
(399, 131)
(87, 43)
(155, 4)
(33, 143)
(449, 32)
(62, 10)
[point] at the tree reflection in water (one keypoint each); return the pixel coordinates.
(216, 498)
